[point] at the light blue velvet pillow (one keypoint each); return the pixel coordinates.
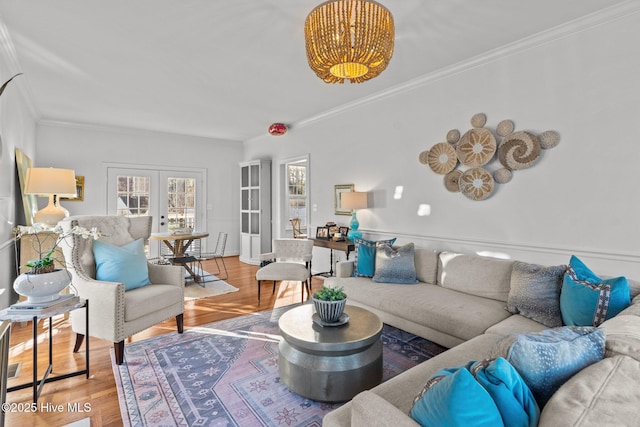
(395, 265)
(487, 393)
(587, 300)
(365, 258)
(547, 359)
(125, 264)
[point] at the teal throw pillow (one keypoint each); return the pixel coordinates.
(535, 292)
(487, 393)
(365, 258)
(588, 300)
(547, 359)
(395, 265)
(124, 264)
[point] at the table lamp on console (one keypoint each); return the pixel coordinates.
(53, 183)
(354, 200)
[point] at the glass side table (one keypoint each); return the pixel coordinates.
(38, 384)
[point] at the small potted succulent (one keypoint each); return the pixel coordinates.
(329, 303)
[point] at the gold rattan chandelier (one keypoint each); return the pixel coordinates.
(349, 39)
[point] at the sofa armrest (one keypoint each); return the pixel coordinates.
(166, 274)
(344, 268)
(269, 256)
(368, 409)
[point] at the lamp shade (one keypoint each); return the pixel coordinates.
(353, 200)
(47, 181)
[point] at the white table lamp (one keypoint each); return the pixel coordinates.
(53, 183)
(353, 201)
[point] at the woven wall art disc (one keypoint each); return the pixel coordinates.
(478, 120)
(442, 158)
(452, 181)
(502, 175)
(476, 147)
(423, 157)
(549, 139)
(453, 136)
(519, 150)
(505, 128)
(476, 184)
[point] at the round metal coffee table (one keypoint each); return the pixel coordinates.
(330, 363)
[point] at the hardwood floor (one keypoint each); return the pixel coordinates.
(99, 392)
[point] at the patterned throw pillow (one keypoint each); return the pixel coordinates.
(535, 292)
(365, 258)
(395, 265)
(547, 359)
(587, 300)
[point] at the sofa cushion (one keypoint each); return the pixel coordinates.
(623, 336)
(365, 257)
(426, 262)
(490, 392)
(137, 300)
(475, 275)
(368, 409)
(454, 313)
(535, 292)
(516, 324)
(126, 264)
(547, 359)
(603, 394)
(588, 300)
(395, 265)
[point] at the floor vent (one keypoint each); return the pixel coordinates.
(13, 371)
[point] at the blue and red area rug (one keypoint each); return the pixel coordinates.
(226, 374)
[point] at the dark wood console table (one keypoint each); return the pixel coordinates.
(345, 246)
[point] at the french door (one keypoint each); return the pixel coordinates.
(174, 198)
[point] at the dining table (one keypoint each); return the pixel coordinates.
(178, 243)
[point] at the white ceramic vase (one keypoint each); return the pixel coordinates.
(42, 287)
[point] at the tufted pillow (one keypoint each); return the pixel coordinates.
(365, 258)
(486, 393)
(125, 264)
(587, 300)
(395, 265)
(547, 359)
(535, 292)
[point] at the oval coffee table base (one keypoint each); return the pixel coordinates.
(332, 376)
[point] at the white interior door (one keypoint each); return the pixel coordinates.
(174, 198)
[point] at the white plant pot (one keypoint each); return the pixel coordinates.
(329, 311)
(42, 287)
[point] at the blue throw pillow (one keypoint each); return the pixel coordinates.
(124, 264)
(395, 265)
(365, 258)
(547, 359)
(487, 393)
(587, 300)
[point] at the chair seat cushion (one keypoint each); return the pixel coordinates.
(283, 271)
(137, 300)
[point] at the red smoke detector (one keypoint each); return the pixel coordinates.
(278, 129)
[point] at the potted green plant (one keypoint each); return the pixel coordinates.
(329, 303)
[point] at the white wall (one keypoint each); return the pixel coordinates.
(17, 130)
(581, 197)
(88, 150)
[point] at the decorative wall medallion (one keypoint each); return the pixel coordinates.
(442, 158)
(476, 147)
(476, 184)
(452, 181)
(519, 150)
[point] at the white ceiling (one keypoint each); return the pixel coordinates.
(228, 68)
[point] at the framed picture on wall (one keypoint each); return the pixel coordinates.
(338, 190)
(79, 190)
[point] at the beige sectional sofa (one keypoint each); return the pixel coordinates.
(460, 302)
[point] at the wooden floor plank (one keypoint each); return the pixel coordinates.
(99, 391)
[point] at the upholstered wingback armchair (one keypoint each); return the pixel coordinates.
(290, 259)
(115, 314)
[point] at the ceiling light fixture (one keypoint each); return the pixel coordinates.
(349, 39)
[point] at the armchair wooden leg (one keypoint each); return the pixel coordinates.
(180, 322)
(119, 350)
(79, 341)
(259, 286)
(274, 287)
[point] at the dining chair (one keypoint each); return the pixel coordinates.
(290, 260)
(217, 255)
(297, 231)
